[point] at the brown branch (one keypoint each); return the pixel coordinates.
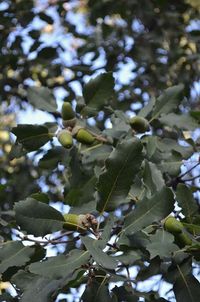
(48, 241)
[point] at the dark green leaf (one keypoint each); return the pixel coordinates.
(183, 121)
(187, 202)
(124, 294)
(37, 288)
(168, 101)
(95, 249)
(120, 169)
(43, 197)
(149, 210)
(96, 154)
(32, 137)
(186, 288)
(42, 98)
(14, 254)
(162, 245)
(144, 112)
(128, 258)
(37, 218)
(107, 229)
(96, 292)
(60, 266)
(153, 178)
(98, 91)
(196, 115)
(53, 156)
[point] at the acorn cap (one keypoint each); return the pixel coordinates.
(67, 111)
(65, 138)
(139, 124)
(69, 123)
(80, 222)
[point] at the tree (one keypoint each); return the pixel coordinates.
(131, 190)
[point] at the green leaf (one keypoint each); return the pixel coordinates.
(94, 247)
(183, 121)
(89, 207)
(171, 165)
(151, 270)
(60, 266)
(136, 241)
(32, 137)
(186, 288)
(34, 287)
(40, 196)
(168, 145)
(187, 202)
(52, 157)
(81, 194)
(128, 258)
(151, 145)
(42, 98)
(120, 169)
(98, 91)
(153, 178)
(124, 293)
(96, 291)
(167, 101)
(96, 154)
(149, 210)
(144, 112)
(162, 245)
(14, 254)
(37, 288)
(37, 218)
(196, 115)
(107, 229)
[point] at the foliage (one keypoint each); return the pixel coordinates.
(122, 183)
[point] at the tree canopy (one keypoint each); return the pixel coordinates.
(100, 200)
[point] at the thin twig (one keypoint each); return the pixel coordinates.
(183, 174)
(191, 178)
(48, 241)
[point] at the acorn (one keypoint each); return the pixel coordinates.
(69, 123)
(173, 225)
(65, 138)
(83, 136)
(79, 223)
(183, 239)
(67, 111)
(68, 115)
(139, 124)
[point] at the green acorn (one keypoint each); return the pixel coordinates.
(173, 225)
(80, 222)
(67, 111)
(68, 115)
(139, 124)
(65, 138)
(183, 239)
(83, 136)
